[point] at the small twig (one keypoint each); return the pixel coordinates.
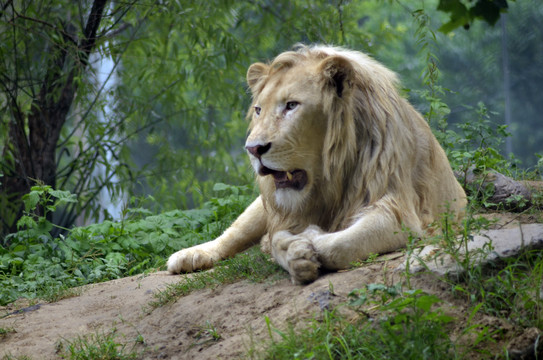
(340, 13)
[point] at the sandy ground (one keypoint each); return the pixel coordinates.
(177, 331)
(236, 312)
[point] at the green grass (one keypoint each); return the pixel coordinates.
(391, 323)
(511, 289)
(252, 265)
(405, 326)
(10, 357)
(104, 346)
(5, 331)
(206, 335)
(97, 346)
(57, 294)
(409, 324)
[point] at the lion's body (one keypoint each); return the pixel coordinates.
(343, 163)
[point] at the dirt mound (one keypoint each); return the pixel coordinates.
(227, 322)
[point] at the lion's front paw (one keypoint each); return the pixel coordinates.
(191, 259)
(296, 254)
(302, 262)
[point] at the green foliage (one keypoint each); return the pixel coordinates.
(42, 200)
(474, 152)
(194, 127)
(477, 144)
(508, 288)
(408, 326)
(475, 76)
(35, 264)
(463, 13)
(160, 108)
(45, 47)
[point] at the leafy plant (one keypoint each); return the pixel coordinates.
(34, 264)
(474, 152)
(39, 203)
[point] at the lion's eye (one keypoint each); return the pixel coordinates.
(257, 110)
(291, 105)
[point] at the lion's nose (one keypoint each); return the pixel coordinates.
(258, 150)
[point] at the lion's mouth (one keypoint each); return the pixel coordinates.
(295, 179)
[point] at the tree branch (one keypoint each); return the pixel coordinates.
(93, 22)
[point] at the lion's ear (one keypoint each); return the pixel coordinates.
(255, 73)
(338, 74)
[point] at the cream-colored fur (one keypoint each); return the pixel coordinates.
(343, 162)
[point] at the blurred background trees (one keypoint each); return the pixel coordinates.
(117, 100)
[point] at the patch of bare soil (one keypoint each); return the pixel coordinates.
(234, 313)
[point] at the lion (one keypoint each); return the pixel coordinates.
(343, 162)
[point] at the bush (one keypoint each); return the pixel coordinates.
(34, 264)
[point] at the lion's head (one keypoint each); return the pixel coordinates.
(328, 136)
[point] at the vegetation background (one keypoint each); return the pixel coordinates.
(114, 111)
(122, 126)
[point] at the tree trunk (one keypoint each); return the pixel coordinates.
(30, 151)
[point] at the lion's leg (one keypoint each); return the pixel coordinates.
(375, 232)
(249, 227)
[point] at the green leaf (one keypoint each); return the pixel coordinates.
(26, 222)
(63, 196)
(425, 302)
(221, 187)
(31, 200)
(489, 10)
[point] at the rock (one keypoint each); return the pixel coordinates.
(483, 248)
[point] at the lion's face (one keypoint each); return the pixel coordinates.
(287, 132)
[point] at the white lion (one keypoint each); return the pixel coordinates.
(343, 162)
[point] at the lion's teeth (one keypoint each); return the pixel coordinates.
(289, 176)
